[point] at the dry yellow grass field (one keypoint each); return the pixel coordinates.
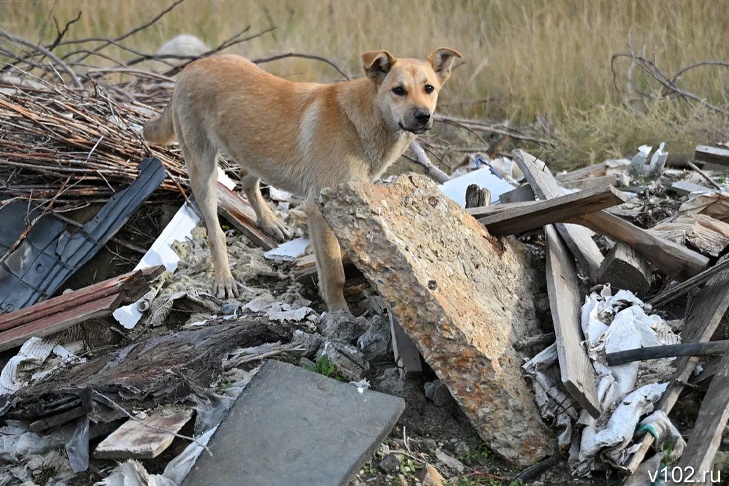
(548, 58)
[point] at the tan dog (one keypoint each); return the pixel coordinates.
(299, 137)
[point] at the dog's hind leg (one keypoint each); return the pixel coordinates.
(268, 222)
(201, 168)
(328, 258)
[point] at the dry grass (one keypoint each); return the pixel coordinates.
(522, 58)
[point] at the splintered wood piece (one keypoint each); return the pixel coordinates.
(591, 182)
(706, 436)
(145, 439)
(577, 372)
(578, 239)
(704, 317)
(624, 269)
(477, 197)
(241, 215)
(533, 215)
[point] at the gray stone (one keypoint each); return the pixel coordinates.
(376, 342)
(310, 342)
(461, 449)
(430, 445)
(390, 464)
(349, 360)
(340, 325)
(391, 382)
(462, 295)
(438, 392)
(294, 427)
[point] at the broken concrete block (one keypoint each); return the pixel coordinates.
(294, 427)
(460, 294)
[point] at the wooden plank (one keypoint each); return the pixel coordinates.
(706, 436)
(675, 260)
(709, 307)
(58, 322)
(684, 188)
(477, 197)
(589, 183)
(406, 353)
(520, 194)
(685, 287)
(59, 419)
(533, 215)
(545, 186)
(714, 155)
(145, 439)
(588, 172)
(241, 215)
(577, 372)
(65, 302)
(624, 269)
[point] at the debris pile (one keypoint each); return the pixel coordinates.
(536, 318)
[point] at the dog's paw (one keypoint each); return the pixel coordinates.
(277, 230)
(225, 287)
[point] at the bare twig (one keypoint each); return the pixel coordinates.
(424, 161)
(302, 56)
(64, 67)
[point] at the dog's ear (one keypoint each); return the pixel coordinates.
(377, 64)
(442, 61)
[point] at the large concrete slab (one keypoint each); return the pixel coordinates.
(462, 295)
(294, 427)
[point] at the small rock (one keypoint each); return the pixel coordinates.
(340, 325)
(390, 464)
(229, 309)
(392, 383)
(430, 445)
(348, 360)
(310, 342)
(450, 462)
(438, 392)
(461, 449)
(376, 342)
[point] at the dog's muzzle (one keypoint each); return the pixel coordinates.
(415, 130)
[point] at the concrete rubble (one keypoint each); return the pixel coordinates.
(457, 292)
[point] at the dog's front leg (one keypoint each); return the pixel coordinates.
(328, 258)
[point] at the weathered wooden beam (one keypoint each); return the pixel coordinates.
(590, 182)
(623, 268)
(528, 216)
(477, 197)
(577, 372)
(520, 194)
(714, 155)
(673, 259)
(705, 438)
(545, 186)
(667, 351)
(709, 307)
(241, 215)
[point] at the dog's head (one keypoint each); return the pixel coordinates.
(407, 89)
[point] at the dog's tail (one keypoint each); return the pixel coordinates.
(160, 131)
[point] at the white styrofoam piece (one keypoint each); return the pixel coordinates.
(161, 253)
(289, 251)
(456, 188)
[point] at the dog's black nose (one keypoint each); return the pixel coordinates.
(422, 116)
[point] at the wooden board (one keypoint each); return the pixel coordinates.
(675, 260)
(545, 186)
(145, 439)
(623, 268)
(533, 215)
(591, 182)
(241, 215)
(577, 372)
(520, 194)
(714, 155)
(705, 438)
(709, 307)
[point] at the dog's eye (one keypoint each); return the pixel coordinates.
(429, 89)
(399, 90)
